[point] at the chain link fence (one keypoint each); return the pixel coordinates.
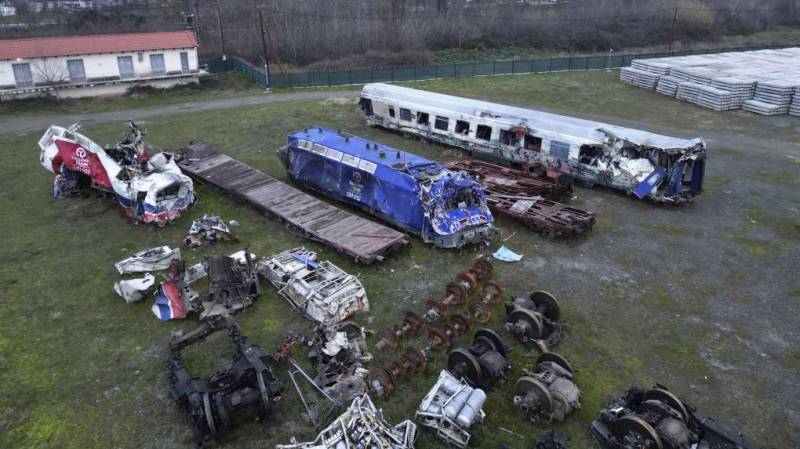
(519, 66)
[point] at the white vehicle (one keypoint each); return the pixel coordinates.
(664, 169)
(321, 290)
(151, 189)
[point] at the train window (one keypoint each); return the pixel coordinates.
(462, 127)
(423, 118)
(442, 123)
(559, 150)
(507, 137)
(405, 114)
(484, 132)
(391, 112)
(366, 106)
(533, 143)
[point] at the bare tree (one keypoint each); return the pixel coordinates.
(52, 73)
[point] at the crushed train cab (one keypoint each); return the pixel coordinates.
(420, 196)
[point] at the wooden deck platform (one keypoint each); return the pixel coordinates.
(363, 239)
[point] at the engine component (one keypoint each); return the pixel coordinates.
(244, 391)
(383, 381)
(231, 286)
(657, 419)
(458, 290)
(455, 293)
(450, 408)
(340, 354)
(548, 393)
(411, 325)
(362, 426)
(534, 320)
(482, 364)
(480, 310)
(321, 290)
(439, 338)
(552, 440)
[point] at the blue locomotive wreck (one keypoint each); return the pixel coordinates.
(418, 195)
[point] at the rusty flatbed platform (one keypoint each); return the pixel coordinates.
(364, 240)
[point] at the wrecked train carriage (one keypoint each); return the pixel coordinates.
(151, 189)
(415, 194)
(321, 290)
(661, 168)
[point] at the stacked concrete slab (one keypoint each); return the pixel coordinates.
(764, 81)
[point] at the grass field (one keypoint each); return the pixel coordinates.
(703, 299)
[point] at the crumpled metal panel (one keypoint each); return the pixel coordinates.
(361, 426)
(322, 291)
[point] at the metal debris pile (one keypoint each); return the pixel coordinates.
(361, 426)
(209, 228)
(149, 187)
(320, 290)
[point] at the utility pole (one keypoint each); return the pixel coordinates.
(674, 21)
(221, 32)
(264, 47)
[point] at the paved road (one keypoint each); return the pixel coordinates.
(28, 124)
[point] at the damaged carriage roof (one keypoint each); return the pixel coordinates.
(582, 131)
(369, 151)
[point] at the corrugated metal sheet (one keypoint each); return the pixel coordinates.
(42, 47)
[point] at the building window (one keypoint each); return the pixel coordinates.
(140, 57)
(157, 64)
(484, 132)
(559, 150)
(441, 123)
(125, 64)
(76, 70)
(22, 74)
(462, 127)
(405, 114)
(185, 62)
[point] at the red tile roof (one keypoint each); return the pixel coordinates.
(41, 47)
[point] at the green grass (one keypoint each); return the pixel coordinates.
(81, 369)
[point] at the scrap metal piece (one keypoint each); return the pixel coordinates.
(244, 391)
(362, 426)
(557, 187)
(340, 354)
(483, 363)
(231, 286)
(316, 411)
(153, 259)
(658, 419)
(174, 299)
(451, 408)
(132, 290)
(549, 392)
(443, 207)
(322, 291)
(150, 188)
(534, 320)
(210, 228)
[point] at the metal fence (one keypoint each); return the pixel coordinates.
(519, 66)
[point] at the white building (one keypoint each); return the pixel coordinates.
(80, 66)
(7, 11)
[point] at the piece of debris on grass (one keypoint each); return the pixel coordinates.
(210, 228)
(506, 255)
(132, 290)
(153, 259)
